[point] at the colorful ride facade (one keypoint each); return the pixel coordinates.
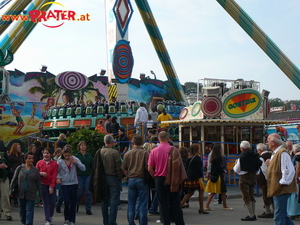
(229, 112)
(36, 102)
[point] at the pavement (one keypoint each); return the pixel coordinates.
(191, 215)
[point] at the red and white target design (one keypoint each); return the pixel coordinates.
(211, 106)
(71, 80)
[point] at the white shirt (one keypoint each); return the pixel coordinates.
(287, 167)
(237, 168)
(264, 167)
(141, 116)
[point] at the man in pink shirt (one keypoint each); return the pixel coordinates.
(169, 202)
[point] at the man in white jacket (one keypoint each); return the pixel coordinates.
(141, 118)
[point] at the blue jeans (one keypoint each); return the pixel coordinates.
(70, 198)
(280, 210)
(83, 182)
(137, 189)
(48, 201)
(113, 200)
(169, 203)
(59, 199)
(26, 211)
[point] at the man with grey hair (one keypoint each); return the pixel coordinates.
(262, 181)
(280, 179)
(247, 166)
(110, 159)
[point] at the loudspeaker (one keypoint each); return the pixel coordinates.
(211, 91)
(265, 93)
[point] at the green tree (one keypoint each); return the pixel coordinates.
(289, 102)
(275, 102)
(191, 88)
(92, 138)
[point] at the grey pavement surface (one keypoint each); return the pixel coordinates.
(191, 216)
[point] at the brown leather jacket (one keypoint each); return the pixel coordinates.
(176, 173)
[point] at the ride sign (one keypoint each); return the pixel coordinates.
(242, 103)
(58, 17)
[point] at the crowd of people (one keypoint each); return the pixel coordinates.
(276, 169)
(161, 179)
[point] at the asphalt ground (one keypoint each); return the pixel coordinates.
(191, 215)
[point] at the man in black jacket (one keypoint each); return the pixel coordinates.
(247, 166)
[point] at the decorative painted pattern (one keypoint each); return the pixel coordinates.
(211, 106)
(71, 80)
(183, 114)
(123, 12)
(196, 109)
(122, 61)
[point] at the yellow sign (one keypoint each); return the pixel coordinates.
(242, 103)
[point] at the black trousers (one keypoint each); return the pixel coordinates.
(169, 203)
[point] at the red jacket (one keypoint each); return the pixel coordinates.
(51, 169)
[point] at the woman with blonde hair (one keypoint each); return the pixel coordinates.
(61, 141)
(32, 148)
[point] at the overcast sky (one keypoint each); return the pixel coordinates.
(203, 41)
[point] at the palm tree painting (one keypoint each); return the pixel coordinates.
(47, 88)
(87, 89)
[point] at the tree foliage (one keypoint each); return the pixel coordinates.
(288, 103)
(191, 88)
(92, 138)
(276, 102)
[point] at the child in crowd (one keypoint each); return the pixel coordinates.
(48, 171)
(67, 177)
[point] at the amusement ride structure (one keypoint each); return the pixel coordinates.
(243, 101)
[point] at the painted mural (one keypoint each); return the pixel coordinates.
(32, 94)
(288, 132)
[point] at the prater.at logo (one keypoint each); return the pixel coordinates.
(47, 18)
(58, 15)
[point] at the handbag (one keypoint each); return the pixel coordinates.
(14, 189)
(213, 179)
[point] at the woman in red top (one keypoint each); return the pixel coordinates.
(48, 170)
